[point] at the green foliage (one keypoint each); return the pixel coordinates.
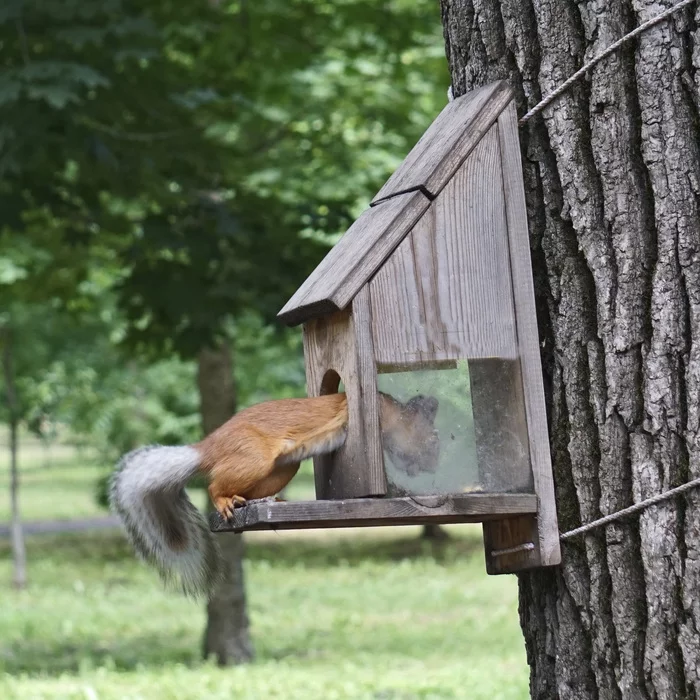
(197, 141)
(152, 404)
(269, 362)
(365, 615)
(171, 172)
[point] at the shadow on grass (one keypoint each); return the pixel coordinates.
(50, 658)
(135, 653)
(331, 552)
(88, 552)
(110, 546)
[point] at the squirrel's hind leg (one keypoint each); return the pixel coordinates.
(225, 505)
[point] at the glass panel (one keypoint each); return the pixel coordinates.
(460, 428)
(500, 425)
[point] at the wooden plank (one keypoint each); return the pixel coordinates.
(445, 293)
(367, 404)
(342, 343)
(447, 142)
(355, 258)
(390, 368)
(370, 512)
(545, 527)
(323, 339)
(501, 535)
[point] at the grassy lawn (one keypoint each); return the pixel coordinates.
(374, 614)
(56, 484)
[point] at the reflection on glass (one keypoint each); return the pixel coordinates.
(480, 423)
(456, 469)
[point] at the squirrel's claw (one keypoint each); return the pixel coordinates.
(226, 505)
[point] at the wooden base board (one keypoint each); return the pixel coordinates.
(372, 512)
(512, 545)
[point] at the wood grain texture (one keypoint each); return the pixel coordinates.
(367, 512)
(328, 346)
(530, 362)
(366, 405)
(445, 293)
(341, 342)
(355, 258)
(500, 535)
(448, 141)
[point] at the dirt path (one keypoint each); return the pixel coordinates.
(105, 522)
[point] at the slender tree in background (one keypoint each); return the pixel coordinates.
(19, 556)
(227, 634)
(612, 173)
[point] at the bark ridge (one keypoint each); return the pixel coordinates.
(612, 178)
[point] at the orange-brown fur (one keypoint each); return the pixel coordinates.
(254, 455)
(258, 451)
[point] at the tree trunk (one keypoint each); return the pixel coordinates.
(612, 179)
(227, 634)
(19, 555)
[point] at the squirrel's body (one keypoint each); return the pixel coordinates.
(258, 451)
(254, 455)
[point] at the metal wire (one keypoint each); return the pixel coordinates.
(612, 48)
(605, 520)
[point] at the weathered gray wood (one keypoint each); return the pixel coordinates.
(367, 512)
(503, 453)
(530, 362)
(500, 428)
(445, 293)
(341, 343)
(329, 351)
(388, 368)
(500, 535)
(447, 142)
(355, 258)
(367, 404)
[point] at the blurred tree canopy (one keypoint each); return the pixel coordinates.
(171, 172)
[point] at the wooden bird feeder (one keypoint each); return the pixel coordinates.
(430, 293)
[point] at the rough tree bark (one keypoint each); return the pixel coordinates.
(19, 555)
(612, 177)
(227, 635)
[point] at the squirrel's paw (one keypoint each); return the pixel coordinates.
(225, 505)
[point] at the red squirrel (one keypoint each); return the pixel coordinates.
(252, 456)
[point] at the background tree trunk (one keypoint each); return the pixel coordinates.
(19, 555)
(612, 178)
(227, 634)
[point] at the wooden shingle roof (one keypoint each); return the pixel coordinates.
(400, 203)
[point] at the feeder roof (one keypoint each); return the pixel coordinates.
(398, 205)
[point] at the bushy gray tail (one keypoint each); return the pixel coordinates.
(166, 530)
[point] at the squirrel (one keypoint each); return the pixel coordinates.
(252, 456)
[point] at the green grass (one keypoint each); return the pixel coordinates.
(58, 483)
(363, 614)
(376, 614)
